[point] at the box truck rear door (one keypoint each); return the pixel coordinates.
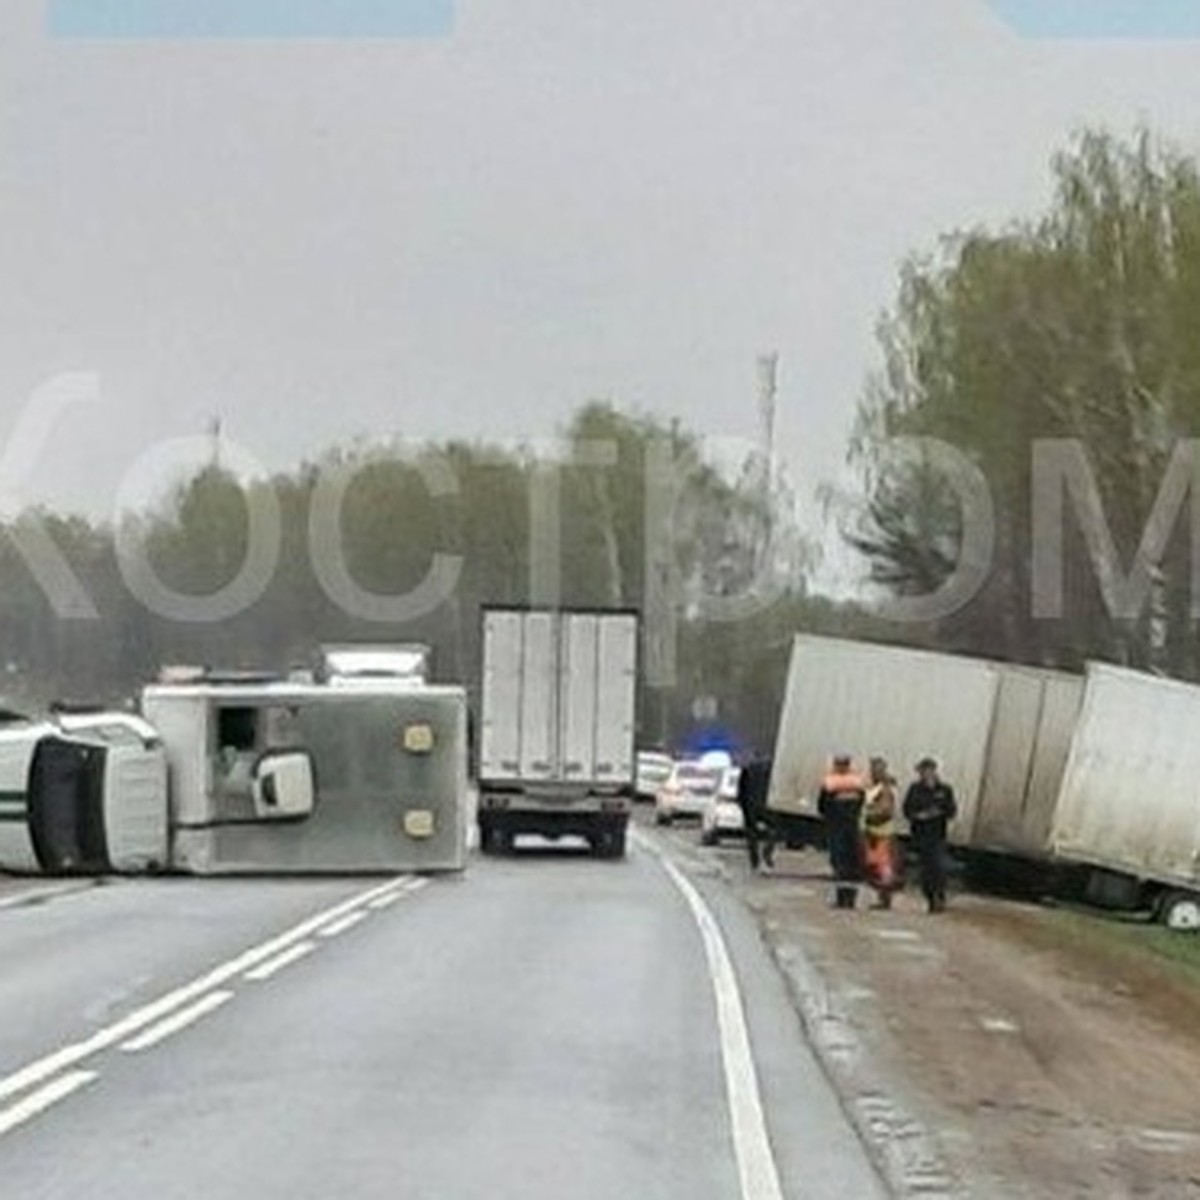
(539, 694)
(578, 696)
(616, 693)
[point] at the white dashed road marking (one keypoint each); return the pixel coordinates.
(347, 922)
(998, 1025)
(54, 1075)
(178, 1022)
(273, 966)
(38, 1102)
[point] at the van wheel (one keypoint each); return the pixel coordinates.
(709, 837)
(1181, 911)
(663, 819)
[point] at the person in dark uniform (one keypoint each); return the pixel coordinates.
(929, 807)
(840, 804)
(754, 785)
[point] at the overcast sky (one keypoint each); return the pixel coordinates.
(567, 199)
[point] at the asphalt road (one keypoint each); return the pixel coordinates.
(546, 1027)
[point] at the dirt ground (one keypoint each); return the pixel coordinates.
(1046, 1053)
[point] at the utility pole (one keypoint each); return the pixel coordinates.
(214, 434)
(768, 390)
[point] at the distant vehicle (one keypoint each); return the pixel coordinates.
(558, 716)
(687, 792)
(653, 770)
(353, 665)
(723, 816)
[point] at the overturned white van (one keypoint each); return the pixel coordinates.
(285, 776)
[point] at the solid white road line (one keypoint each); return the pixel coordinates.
(756, 1162)
(70, 1056)
(273, 966)
(180, 1021)
(385, 902)
(44, 1098)
(347, 922)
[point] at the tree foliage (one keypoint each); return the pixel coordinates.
(1079, 325)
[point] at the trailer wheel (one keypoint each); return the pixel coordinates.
(1181, 911)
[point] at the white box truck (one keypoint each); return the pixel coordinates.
(558, 724)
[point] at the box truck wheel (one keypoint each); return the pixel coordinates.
(609, 842)
(1181, 911)
(494, 839)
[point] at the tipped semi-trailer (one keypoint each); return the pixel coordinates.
(1000, 731)
(1086, 782)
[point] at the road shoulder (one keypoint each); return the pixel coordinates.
(1001, 1050)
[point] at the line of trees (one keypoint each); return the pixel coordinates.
(520, 526)
(1082, 325)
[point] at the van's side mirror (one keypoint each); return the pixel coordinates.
(284, 786)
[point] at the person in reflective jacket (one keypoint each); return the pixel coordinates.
(880, 860)
(929, 807)
(840, 804)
